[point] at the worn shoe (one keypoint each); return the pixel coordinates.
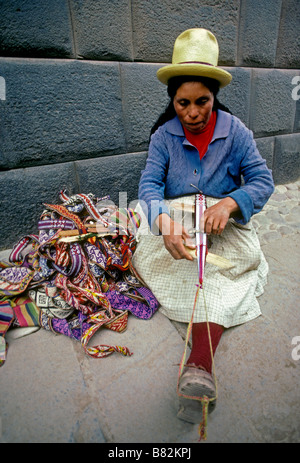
(197, 383)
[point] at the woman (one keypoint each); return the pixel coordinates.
(197, 145)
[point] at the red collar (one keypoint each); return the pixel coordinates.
(202, 140)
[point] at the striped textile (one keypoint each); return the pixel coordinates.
(14, 280)
(128, 220)
(26, 312)
(20, 310)
(6, 318)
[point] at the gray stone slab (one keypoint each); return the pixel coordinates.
(138, 399)
(297, 112)
(117, 176)
(102, 29)
(259, 24)
(44, 397)
(258, 382)
(288, 43)
(58, 111)
(23, 193)
(266, 148)
(283, 279)
(272, 105)
(286, 166)
(36, 29)
(156, 26)
(236, 96)
(144, 99)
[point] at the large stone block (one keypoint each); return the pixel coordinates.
(272, 105)
(288, 45)
(58, 111)
(258, 32)
(117, 176)
(35, 28)
(102, 30)
(23, 192)
(266, 148)
(236, 96)
(144, 99)
(286, 158)
(156, 26)
(297, 117)
(59, 406)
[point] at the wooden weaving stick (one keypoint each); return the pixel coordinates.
(214, 259)
(70, 236)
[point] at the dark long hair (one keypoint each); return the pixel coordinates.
(174, 84)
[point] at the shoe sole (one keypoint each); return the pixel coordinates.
(193, 384)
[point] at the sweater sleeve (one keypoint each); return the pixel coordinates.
(257, 184)
(152, 182)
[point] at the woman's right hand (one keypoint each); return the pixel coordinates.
(175, 236)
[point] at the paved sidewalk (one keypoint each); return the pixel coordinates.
(51, 391)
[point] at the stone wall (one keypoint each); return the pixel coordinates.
(79, 94)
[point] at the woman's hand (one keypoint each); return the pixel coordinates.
(213, 221)
(215, 218)
(175, 237)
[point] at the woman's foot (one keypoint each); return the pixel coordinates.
(196, 383)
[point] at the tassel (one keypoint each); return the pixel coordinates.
(203, 424)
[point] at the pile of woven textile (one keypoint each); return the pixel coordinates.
(76, 275)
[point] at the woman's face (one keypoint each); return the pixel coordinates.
(193, 104)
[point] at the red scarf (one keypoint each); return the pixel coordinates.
(202, 140)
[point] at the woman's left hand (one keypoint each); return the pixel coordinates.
(215, 217)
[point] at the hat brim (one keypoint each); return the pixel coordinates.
(193, 69)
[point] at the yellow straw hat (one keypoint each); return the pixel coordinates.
(195, 53)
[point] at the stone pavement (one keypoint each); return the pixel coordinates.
(51, 391)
